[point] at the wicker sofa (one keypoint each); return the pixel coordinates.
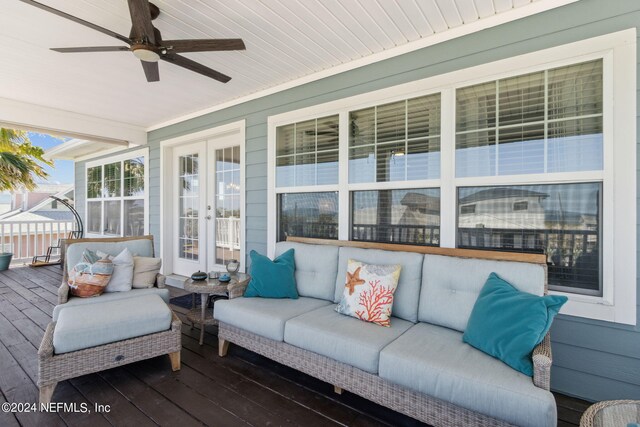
(129, 326)
(419, 366)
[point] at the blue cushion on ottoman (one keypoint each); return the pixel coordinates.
(90, 325)
(507, 323)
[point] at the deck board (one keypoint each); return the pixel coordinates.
(241, 389)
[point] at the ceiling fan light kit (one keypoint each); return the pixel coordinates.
(144, 53)
(146, 44)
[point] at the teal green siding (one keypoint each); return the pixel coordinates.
(593, 360)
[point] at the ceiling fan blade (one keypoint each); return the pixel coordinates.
(78, 20)
(151, 71)
(142, 28)
(194, 45)
(183, 62)
(91, 49)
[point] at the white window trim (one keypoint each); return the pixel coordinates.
(618, 51)
(143, 152)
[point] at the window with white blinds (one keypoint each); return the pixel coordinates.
(307, 153)
(399, 141)
(535, 153)
(116, 200)
(543, 122)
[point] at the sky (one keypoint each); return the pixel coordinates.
(62, 171)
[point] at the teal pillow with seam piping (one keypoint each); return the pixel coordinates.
(272, 279)
(507, 323)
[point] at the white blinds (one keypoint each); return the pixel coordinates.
(549, 121)
(307, 153)
(395, 142)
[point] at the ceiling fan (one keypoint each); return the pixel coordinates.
(146, 42)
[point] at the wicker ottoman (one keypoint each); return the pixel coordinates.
(95, 337)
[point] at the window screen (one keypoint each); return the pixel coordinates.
(308, 215)
(562, 221)
(409, 216)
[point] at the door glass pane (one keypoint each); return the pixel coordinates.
(227, 205)
(189, 199)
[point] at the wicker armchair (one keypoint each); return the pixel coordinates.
(53, 368)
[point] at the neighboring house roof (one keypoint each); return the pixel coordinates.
(52, 188)
(43, 215)
(65, 215)
(4, 208)
(26, 216)
(66, 188)
(500, 193)
(10, 213)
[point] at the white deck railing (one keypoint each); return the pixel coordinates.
(26, 239)
(228, 233)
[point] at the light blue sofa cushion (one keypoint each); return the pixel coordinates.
(90, 325)
(113, 296)
(138, 247)
(343, 338)
(434, 360)
(451, 285)
(316, 268)
(263, 316)
(405, 299)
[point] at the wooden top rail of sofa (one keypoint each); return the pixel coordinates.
(432, 250)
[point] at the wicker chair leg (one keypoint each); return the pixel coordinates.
(337, 390)
(46, 392)
(223, 347)
(175, 360)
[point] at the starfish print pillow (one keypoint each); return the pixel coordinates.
(368, 292)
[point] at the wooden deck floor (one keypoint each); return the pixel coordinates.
(241, 389)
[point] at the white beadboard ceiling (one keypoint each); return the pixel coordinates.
(288, 42)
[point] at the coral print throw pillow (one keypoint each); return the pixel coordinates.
(368, 292)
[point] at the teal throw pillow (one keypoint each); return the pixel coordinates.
(272, 279)
(507, 323)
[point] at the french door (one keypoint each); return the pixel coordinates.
(207, 225)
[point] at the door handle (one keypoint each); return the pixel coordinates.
(208, 217)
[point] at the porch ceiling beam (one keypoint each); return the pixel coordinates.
(32, 117)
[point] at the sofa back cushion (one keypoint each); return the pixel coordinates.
(316, 267)
(137, 247)
(405, 300)
(451, 285)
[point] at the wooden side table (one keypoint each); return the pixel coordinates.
(207, 288)
(611, 413)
